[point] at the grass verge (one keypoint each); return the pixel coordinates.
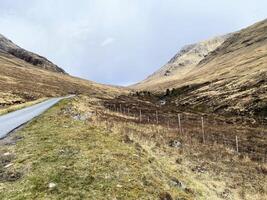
(12, 108)
(60, 157)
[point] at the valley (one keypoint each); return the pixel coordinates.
(194, 129)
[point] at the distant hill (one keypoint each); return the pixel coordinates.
(8, 47)
(182, 63)
(230, 79)
(25, 76)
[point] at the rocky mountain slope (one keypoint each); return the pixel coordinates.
(8, 47)
(232, 79)
(25, 76)
(183, 62)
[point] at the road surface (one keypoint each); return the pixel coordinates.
(15, 119)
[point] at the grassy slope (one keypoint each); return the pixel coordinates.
(91, 159)
(84, 161)
(231, 79)
(21, 82)
(243, 56)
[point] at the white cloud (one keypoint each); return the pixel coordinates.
(107, 41)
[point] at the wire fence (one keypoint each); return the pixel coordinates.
(204, 129)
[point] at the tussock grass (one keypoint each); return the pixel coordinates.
(84, 160)
(94, 156)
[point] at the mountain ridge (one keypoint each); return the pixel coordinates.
(184, 61)
(230, 80)
(8, 47)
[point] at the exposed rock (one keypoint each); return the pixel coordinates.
(80, 117)
(119, 186)
(8, 165)
(234, 68)
(52, 185)
(174, 182)
(189, 56)
(7, 154)
(8, 47)
(175, 144)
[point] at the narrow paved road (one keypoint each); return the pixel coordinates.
(17, 118)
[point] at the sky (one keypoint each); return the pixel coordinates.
(120, 42)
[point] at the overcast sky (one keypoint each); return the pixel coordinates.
(120, 41)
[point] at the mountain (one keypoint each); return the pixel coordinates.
(232, 79)
(8, 47)
(182, 63)
(25, 76)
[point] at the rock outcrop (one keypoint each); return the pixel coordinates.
(8, 47)
(183, 62)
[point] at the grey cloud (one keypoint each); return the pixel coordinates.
(119, 41)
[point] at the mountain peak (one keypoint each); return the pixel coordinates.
(185, 60)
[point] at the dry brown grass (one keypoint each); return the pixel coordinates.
(27, 83)
(216, 168)
(18, 105)
(232, 79)
(125, 159)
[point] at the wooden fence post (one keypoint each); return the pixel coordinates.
(120, 108)
(236, 144)
(140, 116)
(203, 131)
(157, 117)
(179, 123)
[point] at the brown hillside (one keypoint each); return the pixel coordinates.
(231, 79)
(8, 47)
(21, 82)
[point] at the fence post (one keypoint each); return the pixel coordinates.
(120, 109)
(203, 131)
(179, 123)
(236, 144)
(140, 116)
(128, 111)
(157, 117)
